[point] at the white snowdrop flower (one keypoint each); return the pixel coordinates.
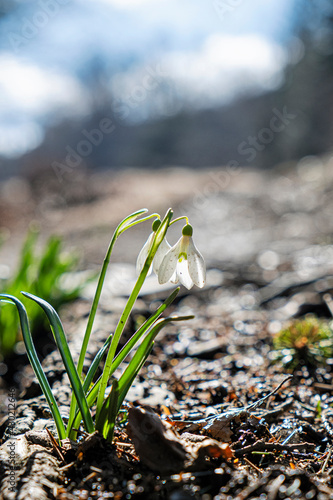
(183, 263)
(160, 253)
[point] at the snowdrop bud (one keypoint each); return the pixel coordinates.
(187, 230)
(156, 224)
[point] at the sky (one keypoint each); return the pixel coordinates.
(170, 54)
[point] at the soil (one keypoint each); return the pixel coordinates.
(191, 426)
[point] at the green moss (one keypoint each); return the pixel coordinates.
(305, 342)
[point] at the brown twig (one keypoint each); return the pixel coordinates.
(328, 458)
(252, 465)
(271, 415)
(55, 446)
(262, 446)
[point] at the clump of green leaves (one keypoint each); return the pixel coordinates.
(39, 273)
(107, 393)
(305, 342)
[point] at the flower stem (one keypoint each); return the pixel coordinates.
(123, 226)
(180, 218)
(160, 233)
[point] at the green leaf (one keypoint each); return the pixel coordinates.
(144, 328)
(136, 363)
(88, 380)
(35, 363)
(125, 223)
(61, 341)
(159, 235)
(107, 418)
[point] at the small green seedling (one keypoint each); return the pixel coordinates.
(181, 263)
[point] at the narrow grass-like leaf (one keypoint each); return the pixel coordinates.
(27, 257)
(105, 412)
(24, 275)
(92, 395)
(89, 378)
(107, 417)
(94, 365)
(113, 411)
(127, 348)
(39, 274)
(126, 387)
(124, 224)
(131, 224)
(141, 331)
(127, 378)
(61, 341)
(35, 363)
(135, 364)
(159, 235)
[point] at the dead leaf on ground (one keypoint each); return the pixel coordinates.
(161, 449)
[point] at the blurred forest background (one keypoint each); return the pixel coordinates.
(165, 85)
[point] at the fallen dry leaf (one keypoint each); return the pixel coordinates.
(161, 449)
(157, 445)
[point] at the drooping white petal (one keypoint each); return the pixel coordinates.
(174, 278)
(183, 273)
(169, 264)
(140, 261)
(159, 255)
(196, 265)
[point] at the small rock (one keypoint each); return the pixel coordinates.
(19, 426)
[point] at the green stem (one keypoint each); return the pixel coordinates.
(180, 218)
(94, 305)
(92, 395)
(160, 233)
(123, 226)
(117, 334)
